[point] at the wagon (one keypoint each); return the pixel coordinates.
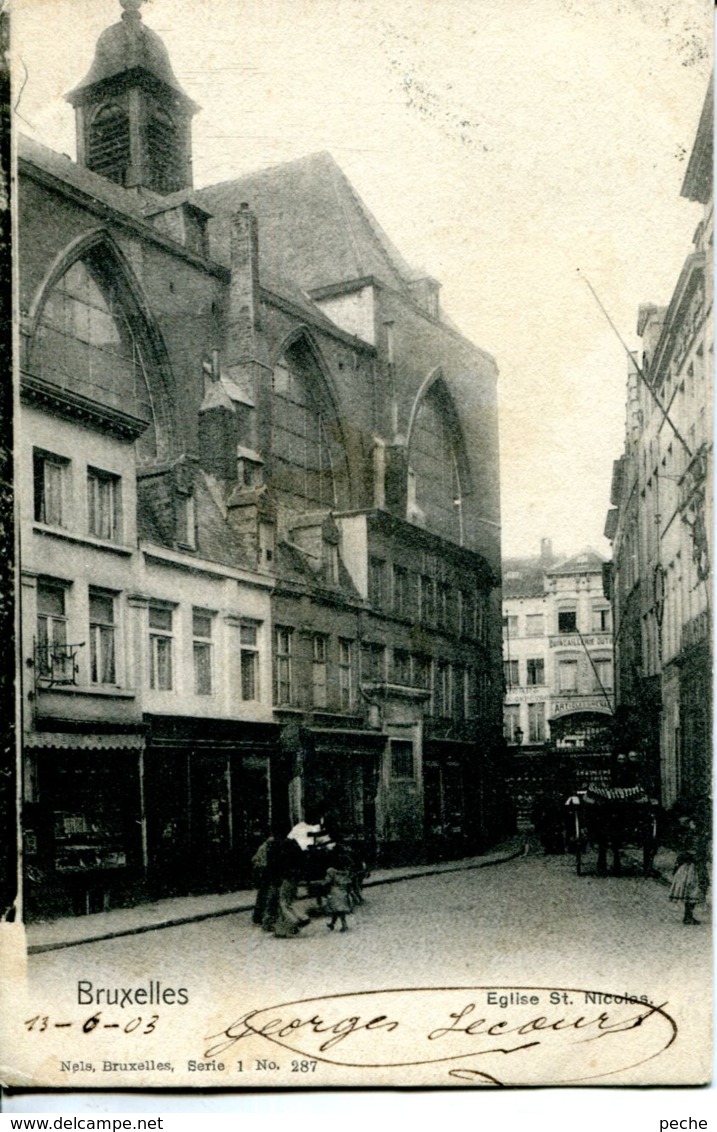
(615, 818)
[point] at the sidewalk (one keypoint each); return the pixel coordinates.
(54, 934)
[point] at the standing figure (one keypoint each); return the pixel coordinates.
(689, 881)
(261, 878)
(287, 920)
(339, 880)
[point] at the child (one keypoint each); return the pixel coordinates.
(338, 879)
(689, 881)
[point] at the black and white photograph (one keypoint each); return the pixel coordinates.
(363, 481)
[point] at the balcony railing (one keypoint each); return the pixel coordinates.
(56, 665)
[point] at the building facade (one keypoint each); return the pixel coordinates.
(558, 677)
(661, 519)
(259, 510)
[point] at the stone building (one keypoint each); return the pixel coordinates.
(661, 520)
(558, 675)
(259, 514)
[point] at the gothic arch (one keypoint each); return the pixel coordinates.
(309, 455)
(438, 461)
(66, 328)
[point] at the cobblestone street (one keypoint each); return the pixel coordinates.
(529, 922)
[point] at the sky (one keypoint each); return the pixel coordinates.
(510, 150)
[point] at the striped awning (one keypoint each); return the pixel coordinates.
(69, 741)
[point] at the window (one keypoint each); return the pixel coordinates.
(163, 146)
(375, 581)
(302, 467)
(202, 645)
(185, 520)
(249, 660)
(434, 460)
(444, 689)
(49, 475)
(443, 606)
(52, 661)
(536, 670)
(345, 673)
(160, 648)
(282, 666)
(87, 343)
(428, 599)
(400, 591)
(511, 722)
(511, 673)
(534, 625)
(401, 667)
(567, 621)
(109, 143)
(536, 723)
(103, 501)
(102, 638)
(373, 662)
(510, 626)
(568, 675)
(330, 553)
(603, 674)
(601, 620)
(402, 764)
(318, 670)
(422, 671)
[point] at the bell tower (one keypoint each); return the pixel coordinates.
(133, 119)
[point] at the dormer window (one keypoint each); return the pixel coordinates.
(185, 519)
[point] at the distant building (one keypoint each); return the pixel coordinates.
(259, 511)
(662, 518)
(557, 651)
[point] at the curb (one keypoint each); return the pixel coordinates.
(180, 921)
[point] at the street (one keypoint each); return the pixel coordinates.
(528, 923)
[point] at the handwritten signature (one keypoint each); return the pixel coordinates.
(401, 1028)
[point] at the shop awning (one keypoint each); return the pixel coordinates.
(68, 741)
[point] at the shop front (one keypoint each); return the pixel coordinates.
(340, 782)
(208, 797)
(83, 823)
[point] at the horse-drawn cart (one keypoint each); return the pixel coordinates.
(614, 818)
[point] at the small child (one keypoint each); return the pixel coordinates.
(338, 901)
(689, 881)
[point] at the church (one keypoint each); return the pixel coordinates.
(259, 516)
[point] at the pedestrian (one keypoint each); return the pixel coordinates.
(287, 920)
(689, 881)
(261, 878)
(338, 880)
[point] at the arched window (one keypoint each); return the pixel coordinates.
(109, 146)
(303, 471)
(434, 463)
(85, 343)
(163, 147)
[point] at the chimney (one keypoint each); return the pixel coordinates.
(244, 311)
(546, 552)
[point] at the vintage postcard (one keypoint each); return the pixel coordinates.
(363, 357)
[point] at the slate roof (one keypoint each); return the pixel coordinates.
(530, 581)
(126, 46)
(588, 561)
(313, 227)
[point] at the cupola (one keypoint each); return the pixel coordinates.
(132, 117)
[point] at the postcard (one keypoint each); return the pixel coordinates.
(363, 362)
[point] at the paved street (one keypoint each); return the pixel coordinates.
(529, 922)
(529, 917)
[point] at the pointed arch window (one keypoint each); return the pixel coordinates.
(434, 463)
(86, 343)
(109, 143)
(303, 472)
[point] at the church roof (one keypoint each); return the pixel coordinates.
(314, 228)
